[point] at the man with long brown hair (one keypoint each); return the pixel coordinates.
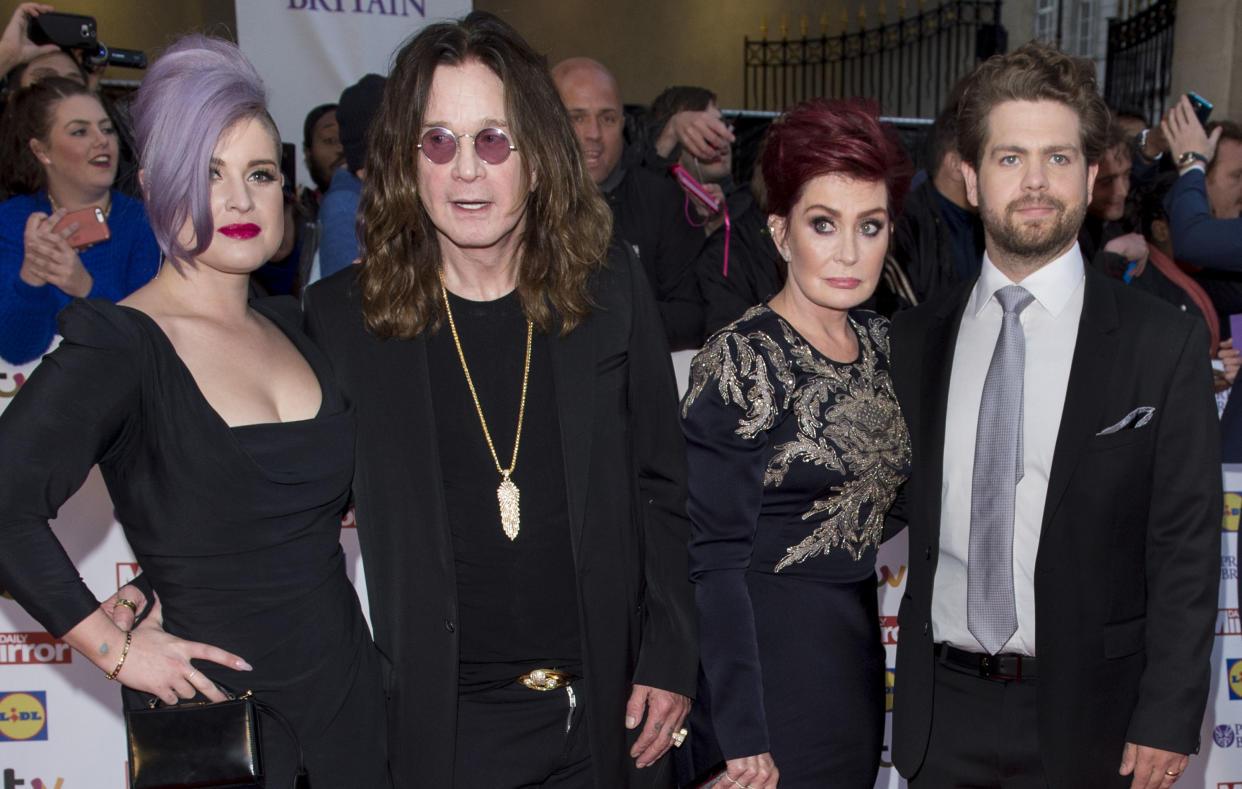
(520, 477)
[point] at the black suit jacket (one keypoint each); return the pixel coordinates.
(624, 462)
(1127, 567)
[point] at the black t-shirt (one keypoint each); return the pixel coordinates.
(517, 600)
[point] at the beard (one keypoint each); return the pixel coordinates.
(1033, 242)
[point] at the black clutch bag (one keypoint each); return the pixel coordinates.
(200, 744)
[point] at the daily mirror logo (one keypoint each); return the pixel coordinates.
(24, 649)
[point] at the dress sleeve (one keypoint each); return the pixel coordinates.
(74, 411)
(27, 313)
(726, 416)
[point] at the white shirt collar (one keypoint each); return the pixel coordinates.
(1052, 285)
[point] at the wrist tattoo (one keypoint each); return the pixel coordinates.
(103, 648)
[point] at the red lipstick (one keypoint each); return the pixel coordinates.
(241, 231)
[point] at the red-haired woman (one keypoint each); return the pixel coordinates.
(796, 450)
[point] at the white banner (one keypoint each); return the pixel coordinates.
(308, 51)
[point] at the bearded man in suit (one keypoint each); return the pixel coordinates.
(1063, 508)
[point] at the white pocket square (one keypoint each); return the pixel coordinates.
(1132, 421)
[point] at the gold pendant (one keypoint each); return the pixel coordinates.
(510, 515)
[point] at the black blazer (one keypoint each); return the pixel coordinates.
(1126, 573)
(624, 464)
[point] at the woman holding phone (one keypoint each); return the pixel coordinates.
(225, 443)
(72, 234)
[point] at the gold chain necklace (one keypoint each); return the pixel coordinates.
(107, 210)
(507, 494)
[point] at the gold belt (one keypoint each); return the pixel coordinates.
(545, 679)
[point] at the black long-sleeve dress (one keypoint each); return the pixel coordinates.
(237, 529)
(793, 460)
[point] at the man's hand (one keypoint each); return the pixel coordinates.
(15, 46)
(1132, 247)
(1184, 132)
(1232, 359)
(121, 615)
(753, 772)
(704, 134)
(1152, 768)
(665, 712)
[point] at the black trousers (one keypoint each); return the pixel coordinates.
(984, 735)
(511, 737)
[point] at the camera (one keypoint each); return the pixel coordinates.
(77, 31)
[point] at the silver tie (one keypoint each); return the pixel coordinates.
(991, 613)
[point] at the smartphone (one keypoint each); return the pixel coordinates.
(69, 31)
(92, 227)
(695, 188)
(1203, 107)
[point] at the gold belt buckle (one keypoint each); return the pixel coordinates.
(545, 679)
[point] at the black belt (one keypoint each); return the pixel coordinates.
(1006, 668)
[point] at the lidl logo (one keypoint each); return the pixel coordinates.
(1233, 508)
(1234, 666)
(890, 679)
(23, 716)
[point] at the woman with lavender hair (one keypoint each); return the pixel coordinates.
(224, 441)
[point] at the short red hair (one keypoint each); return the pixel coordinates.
(832, 136)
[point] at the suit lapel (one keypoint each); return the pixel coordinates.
(573, 375)
(938, 349)
(1090, 369)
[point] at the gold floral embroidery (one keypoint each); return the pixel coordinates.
(847, 418)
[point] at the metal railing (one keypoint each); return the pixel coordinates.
(909, 65)
(1140, 60)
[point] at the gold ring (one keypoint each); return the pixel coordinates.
(1171, 774)
(679, 737)
(127, 603)
(190, 678)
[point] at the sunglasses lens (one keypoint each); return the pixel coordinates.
(439, 146)
(492, 146)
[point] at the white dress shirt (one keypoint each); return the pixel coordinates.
(1050, 326)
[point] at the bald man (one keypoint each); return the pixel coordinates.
(648, 208)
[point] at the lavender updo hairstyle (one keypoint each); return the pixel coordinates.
(196, 91)
(832, 136)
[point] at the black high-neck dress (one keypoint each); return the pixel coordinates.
(793, 460)
(237, 529)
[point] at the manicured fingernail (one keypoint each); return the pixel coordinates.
(630, 722)
(244, 666)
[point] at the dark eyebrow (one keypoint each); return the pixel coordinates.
(218, 162)
(835, 213)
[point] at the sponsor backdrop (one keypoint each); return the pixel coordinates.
(308, 51)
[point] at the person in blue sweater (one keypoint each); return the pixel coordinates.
(69, 158)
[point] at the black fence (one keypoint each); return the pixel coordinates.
(1140, 60)
(909, 65)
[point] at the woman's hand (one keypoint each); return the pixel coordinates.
(751, 772)
(49, 259)
(157, 662)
